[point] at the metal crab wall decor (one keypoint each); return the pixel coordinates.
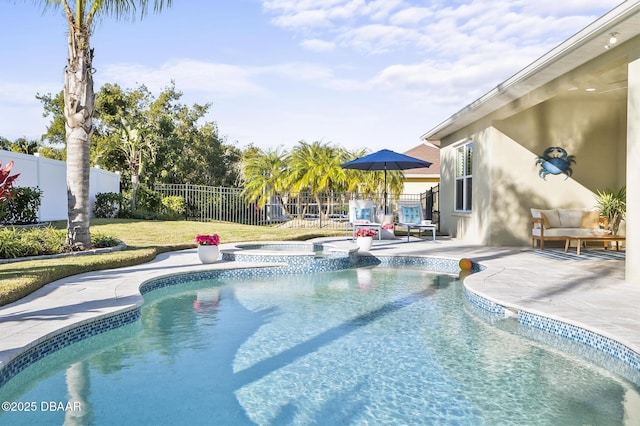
(555, 160)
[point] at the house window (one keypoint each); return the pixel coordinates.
(464, 177)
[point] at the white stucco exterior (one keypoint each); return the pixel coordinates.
(633, 172)
(548, 105)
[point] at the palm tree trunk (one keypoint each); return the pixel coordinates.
(283, 205)
(78, 110)
(134, 192)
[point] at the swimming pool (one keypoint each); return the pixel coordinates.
(370, 345)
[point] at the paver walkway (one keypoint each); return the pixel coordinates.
(584, 291)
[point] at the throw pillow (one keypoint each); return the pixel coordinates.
(545, 220)
(363, 214)
(411, 214)
(590, 219)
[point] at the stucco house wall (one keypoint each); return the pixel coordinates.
(507, 142)
(419, 185)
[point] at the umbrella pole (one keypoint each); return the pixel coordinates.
(385, 189)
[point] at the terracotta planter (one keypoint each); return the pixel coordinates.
(364, 243)
(208, 254)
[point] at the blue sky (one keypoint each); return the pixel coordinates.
(355, 73)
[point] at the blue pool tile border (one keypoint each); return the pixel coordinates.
(435, 264)
(318, 257)
(66, 338)
(597, 341)
(485, 305)
(617, 356)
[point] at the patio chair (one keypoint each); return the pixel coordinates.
(362, 214)
(411, 216)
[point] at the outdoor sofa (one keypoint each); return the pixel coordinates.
(566, 225)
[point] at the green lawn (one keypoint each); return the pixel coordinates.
(144, 240)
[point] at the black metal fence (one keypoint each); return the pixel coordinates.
(431, 204)
(298, 210)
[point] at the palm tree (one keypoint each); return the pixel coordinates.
(79, 100)
(264, 174)
(316, 167)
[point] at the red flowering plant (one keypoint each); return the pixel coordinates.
(365, 232)
(207, 240)
(6, 181)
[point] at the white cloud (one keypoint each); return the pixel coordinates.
(219, 79)
(298, 71)
(292, 6)
(308, 14)
(567, 7)
(378, 38)
(314, 75)
(317, 45)
(20, 111)
(307, 18)
(21, 94)
(386, 26)
(380, 10)
(227, 81)
(411, 16)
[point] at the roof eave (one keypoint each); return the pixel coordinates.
(563, 58)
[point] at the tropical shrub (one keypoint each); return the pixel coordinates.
(174, 207)
(21, 208)
(42, 240)
(148, 200)
(100, 240)
(613, 205)
(107, 205)
(21, 242)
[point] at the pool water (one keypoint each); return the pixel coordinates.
(361, 346)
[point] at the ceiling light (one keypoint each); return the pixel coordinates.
(614, 38)
(590, 89)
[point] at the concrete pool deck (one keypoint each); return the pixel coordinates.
(585, 290)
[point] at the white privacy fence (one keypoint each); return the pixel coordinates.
(50, 176)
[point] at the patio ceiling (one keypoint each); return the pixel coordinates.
(607, 80)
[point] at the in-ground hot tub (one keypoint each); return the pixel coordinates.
(298, 256)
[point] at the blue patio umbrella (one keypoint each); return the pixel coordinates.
(385, 159)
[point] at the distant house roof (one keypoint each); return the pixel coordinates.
(428, 152)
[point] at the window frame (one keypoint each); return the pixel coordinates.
(463, 178)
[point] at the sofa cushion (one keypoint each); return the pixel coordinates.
(590, 219)
(550, 218)
(569, 232)
(570, 218)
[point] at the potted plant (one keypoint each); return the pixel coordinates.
(208, 247)
(364, 238)
(613, 205)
